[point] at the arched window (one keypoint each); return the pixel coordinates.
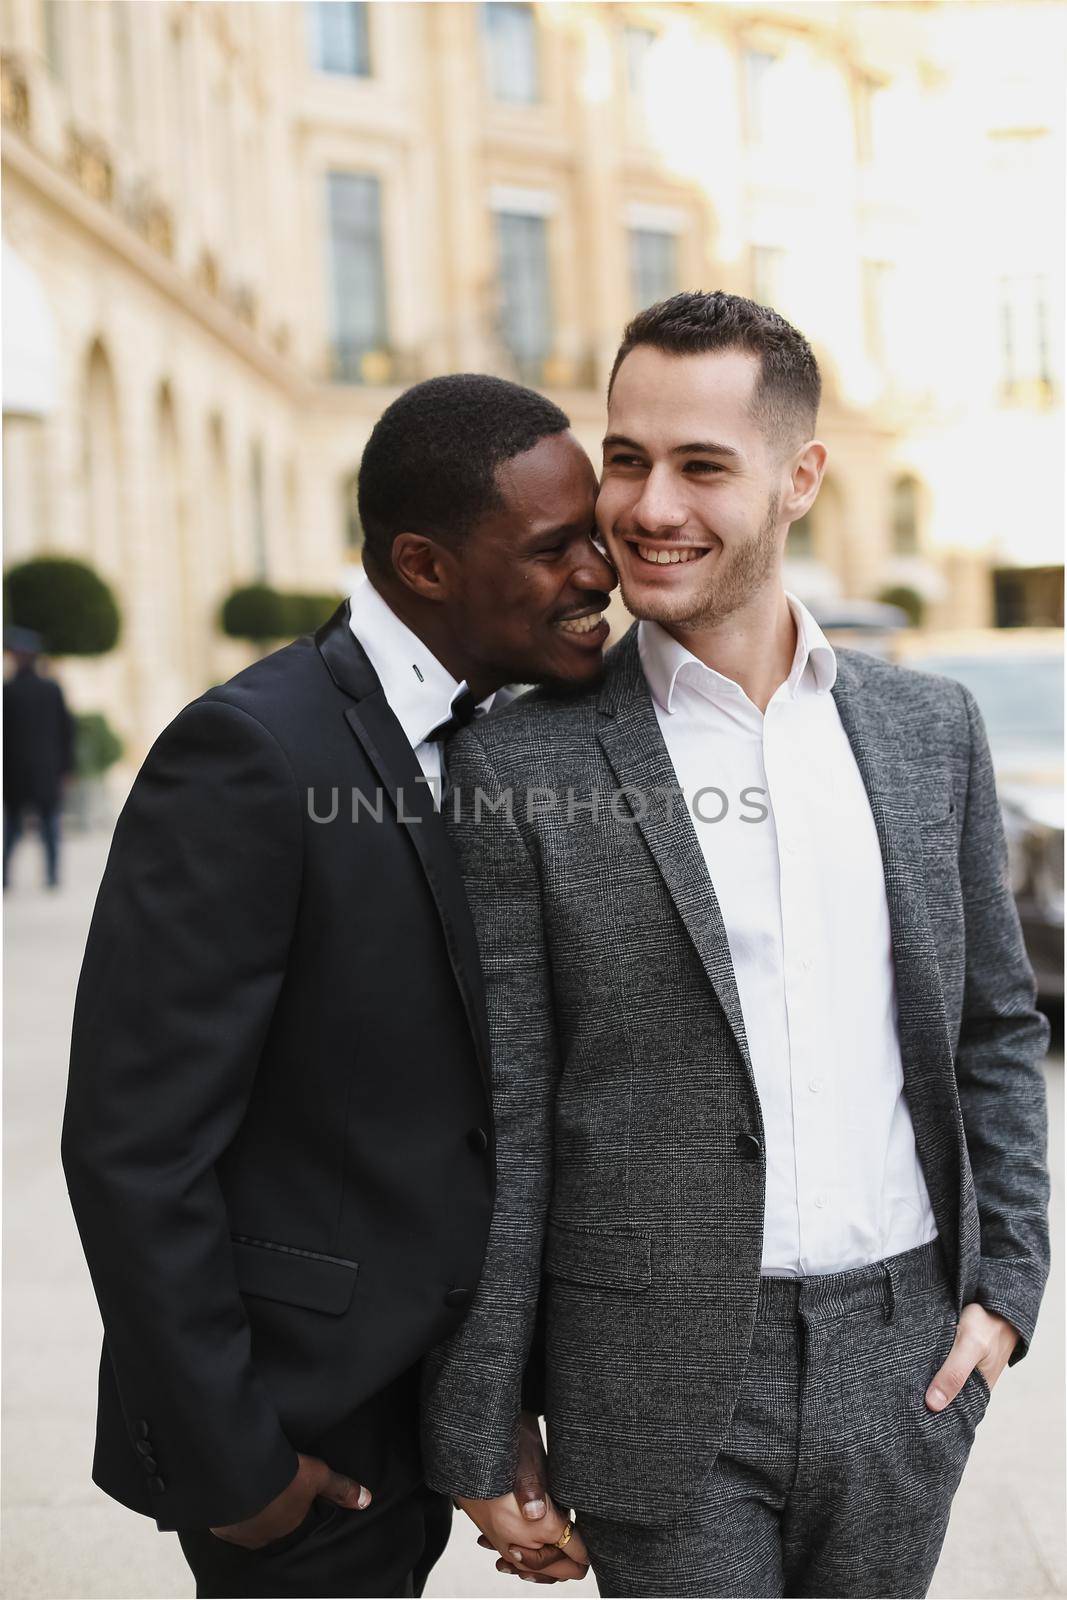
(904, 516)
(219, 509)
(103, 467)
(170, 592)
(259, 514)
(353, 526)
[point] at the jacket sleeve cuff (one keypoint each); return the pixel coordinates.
(181, 1506)
(1012, 1290)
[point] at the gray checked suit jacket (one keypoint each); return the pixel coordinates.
(629, 1135)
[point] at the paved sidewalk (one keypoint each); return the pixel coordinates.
(65, 1540)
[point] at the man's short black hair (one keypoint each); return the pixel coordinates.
(431, 460)
(786, 398)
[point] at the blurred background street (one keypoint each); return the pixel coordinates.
(64, 1540)
(232, 233)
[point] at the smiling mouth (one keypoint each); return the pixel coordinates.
(583, 624)
(668, 555)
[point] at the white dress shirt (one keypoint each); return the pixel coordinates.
(802, 895)
(419, 690)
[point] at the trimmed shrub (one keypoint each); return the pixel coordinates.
(96, 744)
(909, 601)
(255, 612)
(66, 602)
(306, 612)
(262, 614)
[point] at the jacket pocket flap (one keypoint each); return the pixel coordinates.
(297, 1277)
(608, 1260)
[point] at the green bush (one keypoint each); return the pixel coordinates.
(263, 614)
(255, 612)
(306, 612)
(96, 744)
(66, 602)
(907, 599)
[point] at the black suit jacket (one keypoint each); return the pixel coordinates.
(278, 1133)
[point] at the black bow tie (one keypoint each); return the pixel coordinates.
(463, 711)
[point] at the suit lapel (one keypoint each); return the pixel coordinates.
(384, 744)
(868, 721)
(630, 737)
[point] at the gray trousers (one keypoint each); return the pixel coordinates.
(834, 1478)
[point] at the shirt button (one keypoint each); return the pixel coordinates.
(820, 1201)
(814, 1084)
(459, 1299)
(478, 1140)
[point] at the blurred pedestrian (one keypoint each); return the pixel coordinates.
(38, 750)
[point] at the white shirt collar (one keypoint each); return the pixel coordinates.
(420, 691)
(663, 658)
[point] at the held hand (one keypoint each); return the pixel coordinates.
(983, 1340)
(313, 1480)
(531, 1491)
(512, 1535)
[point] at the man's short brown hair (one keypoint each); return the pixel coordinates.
(786, 397)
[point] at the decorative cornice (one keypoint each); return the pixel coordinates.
(111, 232)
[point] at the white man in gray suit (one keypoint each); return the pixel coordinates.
(766, 1059)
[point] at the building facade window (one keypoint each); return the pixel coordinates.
(340, 37)
(352, 524)
(768, 274)
(637, 43)
(872, 114)
(359, 304)
(525, 292)
(1025, 358)
(653, 266)
(511, 52)
(800, 540)
(125, 75)
(54, 31)
(757, 69)
(904, 517)
(878, 282)
(259, 515)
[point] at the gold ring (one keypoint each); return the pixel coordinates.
(565, 1537)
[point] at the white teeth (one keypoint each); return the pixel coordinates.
(581, 624)
(663, 558)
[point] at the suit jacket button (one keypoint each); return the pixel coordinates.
(749, 1145)
(156, 1485)
(478, 1140)
(458, 1299)
(149, 1465)
(143, 1447)
(142, 1429)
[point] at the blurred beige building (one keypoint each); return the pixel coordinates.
(233, 231)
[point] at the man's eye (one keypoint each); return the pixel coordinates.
(703, 466)
(625, 461)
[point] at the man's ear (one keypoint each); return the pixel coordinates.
(807, 468)
(424, 566)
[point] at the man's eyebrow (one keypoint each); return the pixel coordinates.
(704, 447)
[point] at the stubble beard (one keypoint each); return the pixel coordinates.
(738, 576)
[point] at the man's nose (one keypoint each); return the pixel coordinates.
(594, 571)
(660, 509)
